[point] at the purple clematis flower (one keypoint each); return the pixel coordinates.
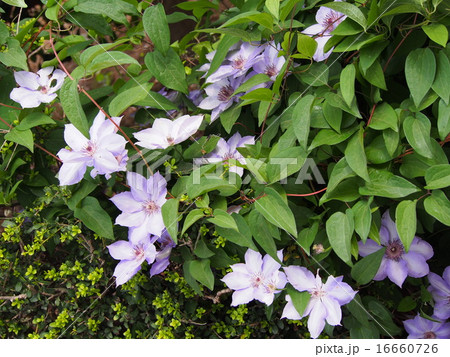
(141, 207)
(226, 150)
(104, 151)
(268, 62)
(326, 299)
(162, 257)
(422, 328)
(240, 62)
(131, 256)
(396, 263)
(440, 289)
(37, 88)
(166, 132)
(220, 96)
(259, 278)
(327, 20)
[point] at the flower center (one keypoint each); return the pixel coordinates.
(43, 89)
(225, 93)
(330, 22)
(429, 334)
(239, 62)
(257, 280)
(318, 293)
(139, 252)
(271, 70)
(150, 207)
(394, 250)
(90, 149)
(170, 140)
(270, 288)
(228, 155)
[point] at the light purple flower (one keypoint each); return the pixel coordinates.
(396, 263)
(166, 132)
(240, 62)
(131, 256)
(440, 289)
(327, 20)
(104, 151)
(220, 96)
(326, 299)
(421, 328)
(268, 62)
(226, 150)
(141, 207)
(259, 278)
(163, 255)
(195, 96)
(37, 88)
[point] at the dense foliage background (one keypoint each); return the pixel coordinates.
(361, 131)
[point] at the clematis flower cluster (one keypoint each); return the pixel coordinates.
(421, 328)
(397, 264)
(440, 290)
(37, 88)
(104, 151)
(227, 150)
(260, 279)
(243, 61)
(327, 20)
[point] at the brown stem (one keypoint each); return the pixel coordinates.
(306, 194)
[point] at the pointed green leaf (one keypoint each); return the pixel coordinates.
(22, 137)
(386, 184)
(339, 229)
(192, 217)
(223, 219)
(420, 70)
(438, 206)
(364, 270)
(437, 33)
(70, 101)
(417, 131)
(34, 119)
(261, 233)
(276, 211)
(93, 216)
(355, 155)
(156, 27)
(169, 211)
(440, 84)
(300, 299)
(437, 176)
(347, 82)
(406, 221)
(301, 119)
(384, 117)
(363, 218)
(201, 271)
(350, 10)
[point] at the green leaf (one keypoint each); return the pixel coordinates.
(167, 69)
(114, 9)
(192, 217)
(369, 54)
(169, 211)
(22, 137)
(339, 229)
(300, 299)
(406, 222)
(253, 81)
(93, 216)
(375, 75)
(406, 304)
(365, 269)
(438, 206)
(109, 59)
(156, 27)
(276, 211)
(19, 3)
(437, 33)
(222, 50)
(440, 84)
(386, 184)
(13, 55)
(340, 172)
(70, 101)
(223, 219)
(242, 236)
(306, 236)
(284, 163)
(437, 176)
(350, 10)
(363, 218)
(347, 83)
(274, 8)
(34, 119)
(355, 155)
(420, 70)
(89, 54)
(229, 117)
(201, 271)
(259, 94)
(417, 131)
(202, 250)
(263, 19)
(301, 119)
(306, 45)
(189, 278)
(330, 137)
(443, 122)
(384, 117)
(85, 188)
(316, 75)
(261, 233)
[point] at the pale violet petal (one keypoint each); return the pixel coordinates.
(419, 246)
(27, 79)
(27, 98)
(397, 271)
(253, 260)
(316, 321)
(242, 296)
(71, 173)
(237, 281)
(368, 248)
(74, 138)
(121, 250)
(130, 219)
(300, 278)
(334, 313)
(125, 270)
(289, 311)
(126, 202)
(416, 264)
